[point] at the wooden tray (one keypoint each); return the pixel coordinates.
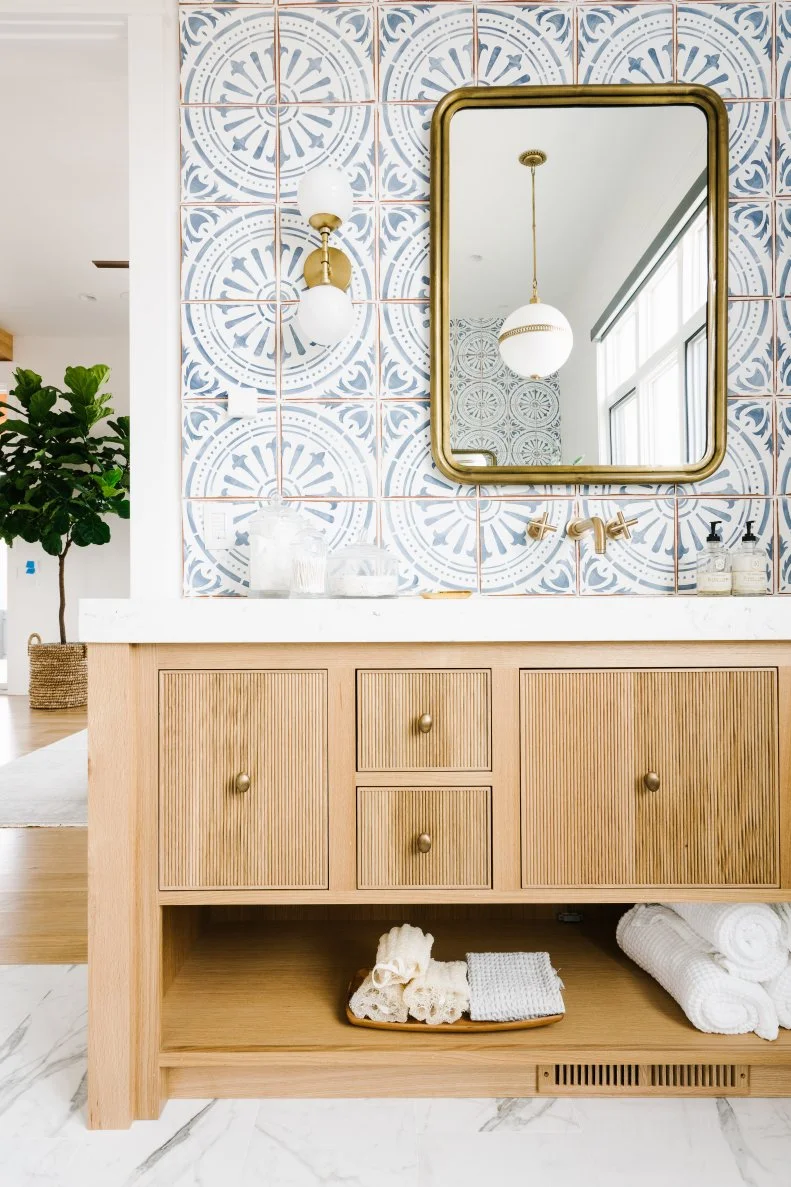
(464, 1025)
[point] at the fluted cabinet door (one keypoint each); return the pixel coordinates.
(243, 779)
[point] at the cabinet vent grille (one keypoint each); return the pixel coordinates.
(639, 1079)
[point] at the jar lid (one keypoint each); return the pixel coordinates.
(275, 513)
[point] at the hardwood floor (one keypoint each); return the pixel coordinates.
(43, 871)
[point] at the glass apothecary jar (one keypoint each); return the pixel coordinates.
(362, 571)
(309, 578)
(273, 532)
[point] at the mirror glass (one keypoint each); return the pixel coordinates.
(609, 366)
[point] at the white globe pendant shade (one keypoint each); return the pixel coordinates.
(324, 191)
(535, 340)
(325, 314)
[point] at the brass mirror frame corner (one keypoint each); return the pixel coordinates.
(715, 112)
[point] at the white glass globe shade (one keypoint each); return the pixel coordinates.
(325, 314)
(324, 191)
(536, 351)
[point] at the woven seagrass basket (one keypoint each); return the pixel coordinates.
(58, 674)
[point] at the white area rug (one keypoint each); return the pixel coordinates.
(48, 787)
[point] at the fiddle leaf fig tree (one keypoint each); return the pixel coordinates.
(64, 465)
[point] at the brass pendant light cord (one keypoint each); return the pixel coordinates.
(534, 300)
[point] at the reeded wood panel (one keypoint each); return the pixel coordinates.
(711, 737)
(577, 778)
(390, 820)
(390, 704)
(271, 726)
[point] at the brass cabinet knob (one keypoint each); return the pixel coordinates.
(651, 781)
(424, 842)
(242, 782)
(425, 722)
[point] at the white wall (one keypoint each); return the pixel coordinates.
(98, 572)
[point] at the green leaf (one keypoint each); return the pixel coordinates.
(51, 543)
(84, 382)
(41, 402)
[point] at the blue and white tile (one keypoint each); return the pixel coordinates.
(783, 308)
(210, 571)
(727, 47)
(329, 450)
(348, 369)
(512, 562)
(784, 447)
(750, 348)
(225, 346)
(425, 50)
(525, 45)
(407, 465)
(784, 545)
(404, 350)
(228, 254)
(783, 51)
(694, 521)
(224, 457)
(403, 253)
(748, 465)
(625, 43)
(228, 154)
(404, 158)
(341, 522)
(750, 140)
(643, 565)
(435, 540)
(783, 247)
(326, 54)
(783, 149)
(312, 135)
(750, 249)
(227, 56)
(356, 238)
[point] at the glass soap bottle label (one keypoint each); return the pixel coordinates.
(714, 580)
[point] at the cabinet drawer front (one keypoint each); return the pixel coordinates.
(270, 727)
(456, 713)
(393, 822)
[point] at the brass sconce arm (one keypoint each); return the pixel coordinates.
(578, 527)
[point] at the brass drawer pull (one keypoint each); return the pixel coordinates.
(651, 781)
(424, 842)
(425, 722)
(242, 782)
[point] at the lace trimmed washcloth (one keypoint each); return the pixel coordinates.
(403, 953)
(512, 986)
(379, 1003)
(441, 994)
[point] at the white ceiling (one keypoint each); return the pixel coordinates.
(63, 176)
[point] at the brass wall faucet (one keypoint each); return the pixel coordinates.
(614, 529)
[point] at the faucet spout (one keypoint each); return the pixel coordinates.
(595, 524)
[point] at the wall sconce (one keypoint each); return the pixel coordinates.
(325, 312)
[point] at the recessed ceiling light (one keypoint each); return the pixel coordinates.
(476, 259)
(89, 297)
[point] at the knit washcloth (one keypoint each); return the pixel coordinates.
(512, 986)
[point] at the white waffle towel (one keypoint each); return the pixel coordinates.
(745, 938)
(784, 911)
(441, 994)
(512, 986)
(403, 953)
(379, 1003)
(779, 989)
(715, 1001)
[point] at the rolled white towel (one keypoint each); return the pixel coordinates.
(745, 938)
(779, 989)
(715, 1001)
(441, 994)
(784, 911)
(403, 953)
(379, 1003)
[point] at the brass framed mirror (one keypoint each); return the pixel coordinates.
(579, 294)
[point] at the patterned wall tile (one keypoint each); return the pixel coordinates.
(625, 43)
(512, 562)
(525, 45)
(404, 161)
(783, 247)
(750, 348)
(312, 135)
(310, 371)
(748, 466)
(694, 520)
(784, 546)
(227, 346)
(783, 50)
(404, 349)
(750, 149)
(227, 56)
(784, 447)
(407, 465)
(727, 47)
(783, 360)
(329, 450)
(326, 54)
(750, 249)
(403, 253)
(783, 148)
(228, 458)
(228, 254)
(436, 541)
(228, 154)
(424, 51)
(298, 240)
(643, 565)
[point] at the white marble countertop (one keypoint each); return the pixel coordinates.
(479, 619)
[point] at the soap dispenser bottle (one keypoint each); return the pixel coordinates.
(750, 565)
(714, 565)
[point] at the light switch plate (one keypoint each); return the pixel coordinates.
(242, 402)
(218, 530)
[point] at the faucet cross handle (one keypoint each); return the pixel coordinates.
(537, 529)
(618, 527)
